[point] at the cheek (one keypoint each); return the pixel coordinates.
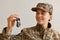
(36, 17)
(46, 18)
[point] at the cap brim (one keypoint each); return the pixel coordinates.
(35, 9)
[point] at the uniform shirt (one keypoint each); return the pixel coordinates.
(35, 33)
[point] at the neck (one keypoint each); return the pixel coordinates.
(44, 26)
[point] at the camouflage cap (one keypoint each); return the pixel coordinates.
(44, 6)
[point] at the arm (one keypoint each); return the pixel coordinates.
(6, 33)
(24, 35)
(20, 36)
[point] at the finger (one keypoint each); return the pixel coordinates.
(14, 15)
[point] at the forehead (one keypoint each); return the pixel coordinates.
(40, 10)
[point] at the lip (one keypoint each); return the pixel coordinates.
(40, 20)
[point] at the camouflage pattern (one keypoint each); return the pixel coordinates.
(32, 33)
(4, 35)
(44, 6)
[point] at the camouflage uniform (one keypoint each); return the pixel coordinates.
(33, 33)
(4, 35)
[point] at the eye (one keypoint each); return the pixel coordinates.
(43, 13)
(37, 13)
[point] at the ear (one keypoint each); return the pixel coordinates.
(50, 18)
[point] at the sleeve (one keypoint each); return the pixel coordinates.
(24, 35)
(59, 36)
(4, 35)
(18, 36)
(56, 35)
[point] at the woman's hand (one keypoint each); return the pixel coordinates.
(11, 21)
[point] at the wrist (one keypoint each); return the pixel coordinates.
(8, 29)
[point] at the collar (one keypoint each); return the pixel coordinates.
(41, 30)
(39, 27)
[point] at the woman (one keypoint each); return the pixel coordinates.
(42, 31)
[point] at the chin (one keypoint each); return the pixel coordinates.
(40, 23)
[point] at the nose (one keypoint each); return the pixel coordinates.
(40, 15)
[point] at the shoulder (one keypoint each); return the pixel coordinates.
(28, 29)
(27, 32)
(54, 31)
(55, 34)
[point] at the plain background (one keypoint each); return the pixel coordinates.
(23, 9)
